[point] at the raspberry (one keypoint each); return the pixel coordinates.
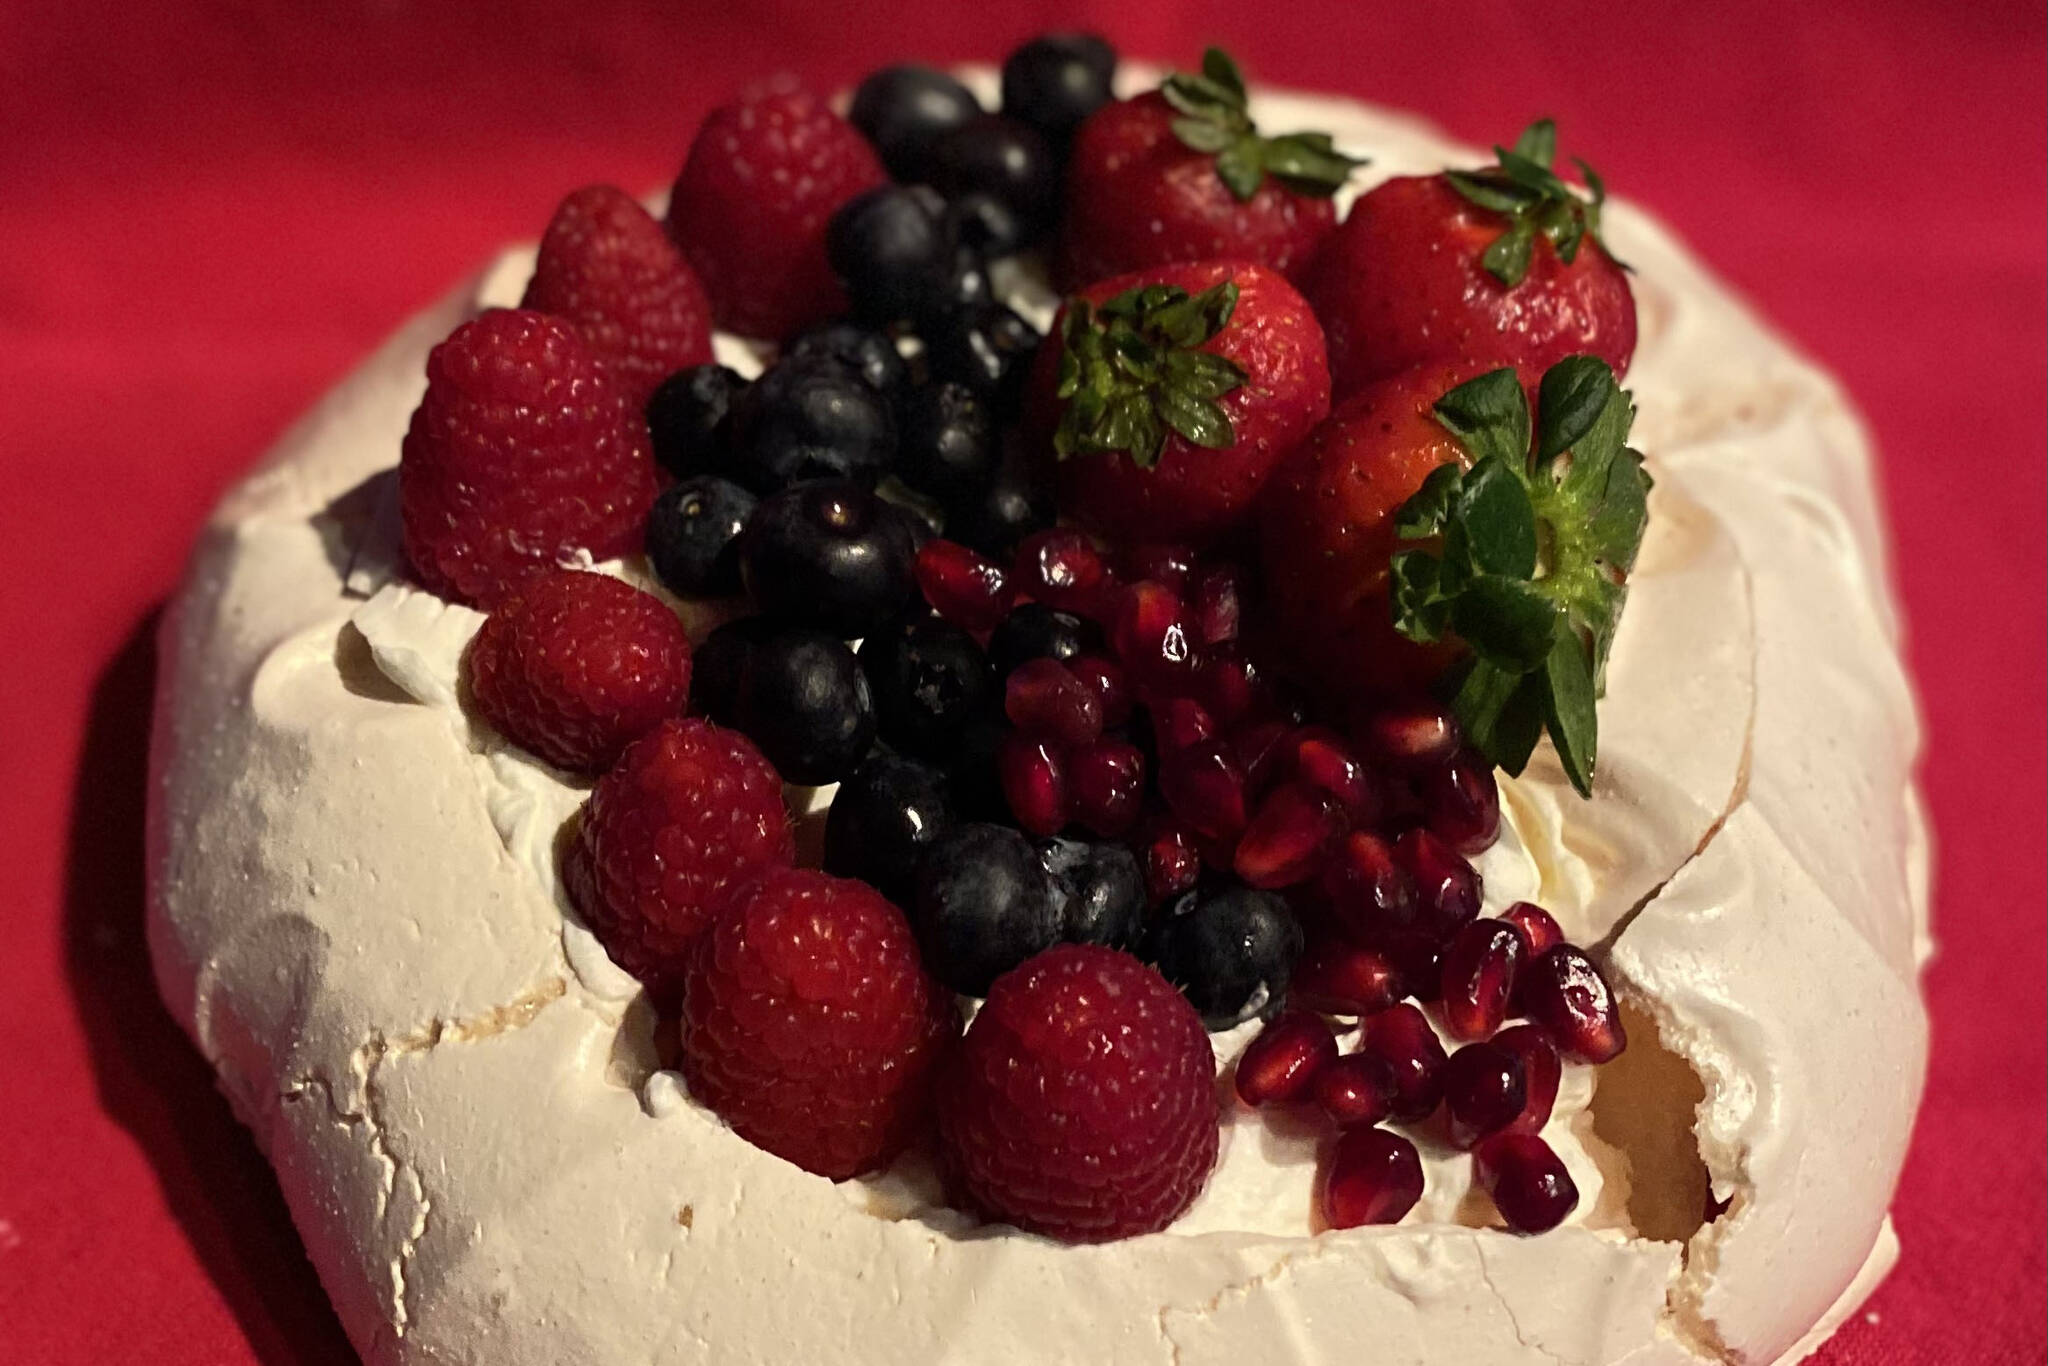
(1081, 1104)
(750, 206)
(607, 267)
(810, 1025)
(577, 666)
(688, 816)
(519, 456)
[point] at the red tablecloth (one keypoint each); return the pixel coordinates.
(208, 212)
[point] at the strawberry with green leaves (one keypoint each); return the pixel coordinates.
(1500, 266)
(1456, 537)
(1181, 173)
(1168, 396)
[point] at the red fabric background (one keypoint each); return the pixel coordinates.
(208, 212)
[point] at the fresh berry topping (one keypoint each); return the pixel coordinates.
(948, 447)
(607, 267)
(870, 354)
(1205, 787)
(1043, 699)
(1182, 174)
(1539, 626)
(1055, 81)
(988, 348)
(1529, 1185)
(887, 245)
(1321, 758)
(750, 205)
(984, 225)
(1229, 681)
(1152, 638)
(1343, 979)
(720, 665)
(1461, 803)
(1062, 568)
(686, 419)
(1290, 838)
(1035, 631)
(1356, 1090)
(1180, 722)
(1105, 678)
(1107, 783)
(995, 519)
(829, 554)
(1281, 1065)
(882, 820)
(1161, 561)
(1374, 1177)
(802, 698)
(984, 903)
(519, 456)
(1502, 267)
(575, 667)
(1004, 158)
(1170, 395)
(688, 815)
(1171, 861)
(1369, 891)
(967, 589)
(693, 536)
(810, 417)
(929, 680)
(1537, 925)
(1216, 602)
(1231, 951)
(1034, 778)
(1565, 993)
(1484, 1090)
(1447, 887)
(1081, 1103)
(1479, 969)
(1401, 1038)
(1413, 738)
(810, 1027)
(1104, 888)
(905, 110)
(1542, 1069)
(972, 767)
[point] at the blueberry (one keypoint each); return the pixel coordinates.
(929, 680)
(1105, 891)
(948, 446)
(983, 905)
(803, 700)
(904, 110)
(882, 819)
(988, 348)
(828, 554)
(885, 244)
(1009, 508)
(693, 536)
(1035, 631)
(686, 419)
(1230, 950)
(1004, 158)
(985, 224)
(1056, 81)
(863, 350)
(957, 285)
(809, 417)
(719, 664)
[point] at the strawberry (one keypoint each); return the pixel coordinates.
(1182, 174)
(750, 205)
(1402, 537)
(607, 267)
(519, 456)
(1169, 396)
(1503, 266)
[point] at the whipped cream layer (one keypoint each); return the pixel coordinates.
(355, 913)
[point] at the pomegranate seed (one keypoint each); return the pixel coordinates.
(1564, 992)
(1375, 1177)
(1169, 857)
(1290, 838)
(1061, 568)
(1343, 979)
(1152, 635)
(1043, 699)
(1370, 894)
(1541, 1071)
(1228, 683)
(1172, 565)
(1034, 784)
(1261, 751)
(1217, 601)
(1537, 926)
(1107, 780)
(1105, 678)
(1320, 756)
(1529, 1185)
(1461, 803)
(1479, 969)
(971, 592)
(1484, 1090)
(1179, 722)
(1356, 1089)
(1205, 788)
(1280, 1066)
(1420, 959)
(1401, 1038)
(1446, 886)
(1413, 738)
